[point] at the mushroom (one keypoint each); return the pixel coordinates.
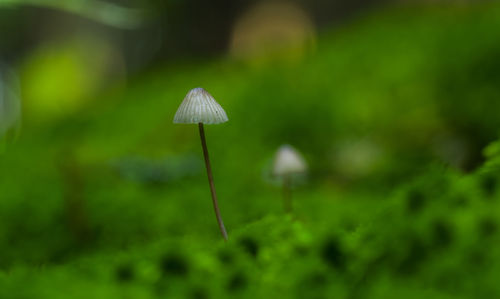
(288, 163)
(199, 107)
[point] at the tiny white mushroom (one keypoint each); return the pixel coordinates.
(287, 163)
(199, 107)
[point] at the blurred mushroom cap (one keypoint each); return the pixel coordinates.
(199, 107)
(288, 161)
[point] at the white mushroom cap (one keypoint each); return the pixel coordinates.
(288, 161)
(199, 107)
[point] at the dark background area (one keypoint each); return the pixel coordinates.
(169, 29)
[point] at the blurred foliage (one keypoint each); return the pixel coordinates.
(110, 199)
(82, 64)
(101, 11)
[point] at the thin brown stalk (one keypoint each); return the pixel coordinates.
(287, 194)
(211, 182)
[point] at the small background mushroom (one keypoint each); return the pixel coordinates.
(288, 164)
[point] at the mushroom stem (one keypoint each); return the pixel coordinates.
(287, 194)
(211, 182)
